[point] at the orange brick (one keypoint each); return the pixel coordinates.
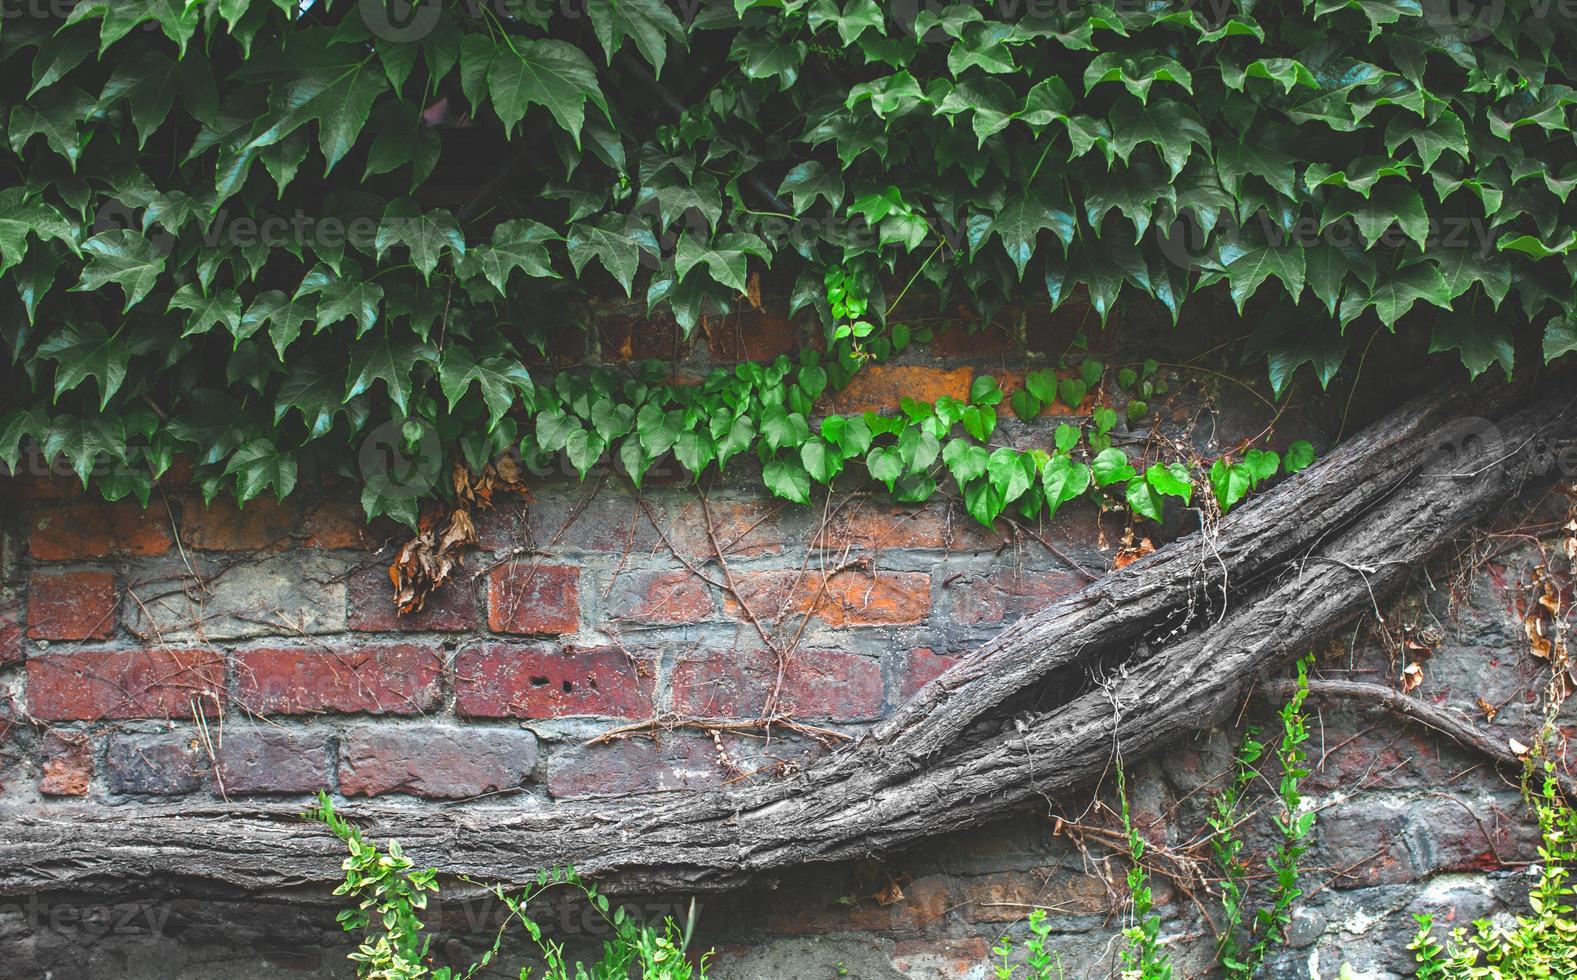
(880, 387)
(849, 599)
(67, 766)
(96, 530)
(872, 526)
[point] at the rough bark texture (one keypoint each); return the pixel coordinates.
(1140, 658)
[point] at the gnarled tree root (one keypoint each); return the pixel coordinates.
(1144, 656)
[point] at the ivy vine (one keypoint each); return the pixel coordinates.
(254, 231)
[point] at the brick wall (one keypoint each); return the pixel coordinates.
(188, 654)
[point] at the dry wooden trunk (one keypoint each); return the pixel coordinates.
(1141, 657)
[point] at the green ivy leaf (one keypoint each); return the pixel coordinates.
(551, 74)
(82, 351)
(1171, 480)
(1300, 456)
(1142, 499)
(787, 478)
(125, 258)
(1111, 466)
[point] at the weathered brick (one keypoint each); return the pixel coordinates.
(505, 680)
(261, 595)
(87, 685)
(1003, 596)
(661, 597)
(337, 524)
(163, 764)
(11, 651)
(935, 957)
(673, 761)
(97, 530)
(926, 900)
(260, 525)
(67, 768)
(816, 684)
(635, 765)
(879, 387)
(71, 605)
(433, 761)
(746, 527)
(850, 598)
(450, 609)
(1004, 896)
(919, 667)
(268, 759)
(371, 678)
(753, 335)
(872, 526)
(528, 597)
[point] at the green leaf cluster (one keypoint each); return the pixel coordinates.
(259, 233)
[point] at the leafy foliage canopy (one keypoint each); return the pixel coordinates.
(215, 200)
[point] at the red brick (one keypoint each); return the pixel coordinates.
(753, 335)
(98, 530)
(88, 685)
(879, 387)
(920, 667)
(67, 765)
(451, 609)
(71, 605)
(533, 598)
(504, 680)
(816, 684)
(1009, 595)
(436, 762)
(662, 597)
(380, 679)
(850, 598)
(270, 759)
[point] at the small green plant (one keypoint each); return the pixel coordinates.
(1040, 961)
(1227, 847)
(1543, 944)
(389, 895)
(1242, 948)
(1142, 958)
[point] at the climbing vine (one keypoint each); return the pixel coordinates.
(258, 232)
